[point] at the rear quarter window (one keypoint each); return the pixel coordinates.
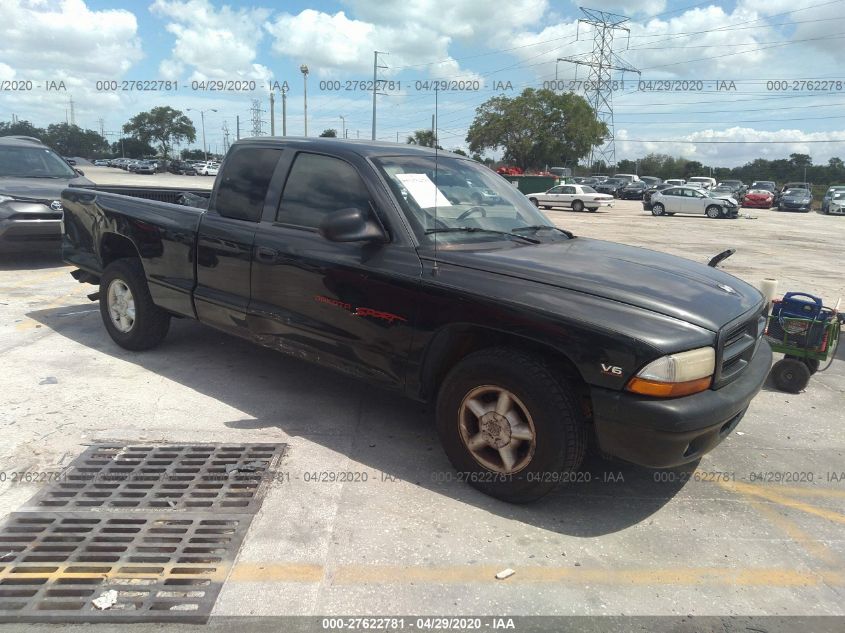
(241, 192)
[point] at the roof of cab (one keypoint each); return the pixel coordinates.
(346, 146)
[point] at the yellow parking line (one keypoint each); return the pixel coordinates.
(771, 494)
(814, 547)
(380, 574)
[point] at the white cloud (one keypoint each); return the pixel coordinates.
(216, 43)
(627, 7)
(455, 19)
(743, 146)
(67, 40)
(347, 45)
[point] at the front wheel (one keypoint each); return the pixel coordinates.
(510, 426)
(534, 202)
(129, 314)
(714, 212)
(577, 205)
(658, 209)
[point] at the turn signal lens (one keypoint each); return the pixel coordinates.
(668, 389)
(676, 374)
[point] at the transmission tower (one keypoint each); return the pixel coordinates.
(602, 61)
(257, 123)
(225, 129)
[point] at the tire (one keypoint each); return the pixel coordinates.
(534, 202)
(790, 375)
(142, 327)
(812, 364)
(658, 209)
(713, 212)
(577, 205)
(548, 411)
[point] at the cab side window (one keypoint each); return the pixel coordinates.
(317, 186)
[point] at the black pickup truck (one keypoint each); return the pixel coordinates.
(379, 261)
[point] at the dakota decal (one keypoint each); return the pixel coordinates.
(360, 311)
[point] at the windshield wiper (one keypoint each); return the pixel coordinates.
(540, 227)
(476, 229)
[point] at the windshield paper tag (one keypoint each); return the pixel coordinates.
(423, 190)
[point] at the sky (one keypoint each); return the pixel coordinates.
(719, 82)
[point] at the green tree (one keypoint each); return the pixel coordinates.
(537, 128)
(329, 133)
(460, 152)
(162, 125)
(131, 147)
(422, 137)
(21, 128)
(72, 140)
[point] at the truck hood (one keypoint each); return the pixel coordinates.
(658, 282)
(39, 188)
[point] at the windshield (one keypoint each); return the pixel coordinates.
(796, 192)
(460, 199)
(587, 189)
(32, 162)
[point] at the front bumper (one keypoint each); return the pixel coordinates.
(661, 433)
(29, 226)
(835, 210)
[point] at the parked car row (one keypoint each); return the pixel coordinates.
(154, 165)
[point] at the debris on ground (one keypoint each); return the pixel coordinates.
(107, 600)
(505, 573)
(249, 467)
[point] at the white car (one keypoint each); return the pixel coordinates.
(836, 206)
(675, 182)
(576, 197)
(693, 200)
(706, 182)
(208, 169)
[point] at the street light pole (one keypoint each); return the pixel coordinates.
(343, 126)
(304, 70)
(202, 119)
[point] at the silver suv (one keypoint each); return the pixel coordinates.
(32, 177)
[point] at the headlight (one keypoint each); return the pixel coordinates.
(676, 375)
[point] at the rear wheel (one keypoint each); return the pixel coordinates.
(714, 211)
(658, 209)
(509, 425)
(577, 205)
(534, 202)
(790, 375)
(129, 314)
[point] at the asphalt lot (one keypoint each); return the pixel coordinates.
(732, 536)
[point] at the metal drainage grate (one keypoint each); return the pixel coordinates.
(225, 478)
(158, 525)
(163, 567)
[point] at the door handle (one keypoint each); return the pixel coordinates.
(264, 254)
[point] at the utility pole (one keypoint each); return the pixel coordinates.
(342, 126)
(72, 112)
(102, 127)
(375, 86)
(304, 70)
(225, 136)
(272, 114)
(285, 109)
(238, 127)
(601, 61)
(202, 118)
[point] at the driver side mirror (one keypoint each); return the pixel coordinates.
(352, 225)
